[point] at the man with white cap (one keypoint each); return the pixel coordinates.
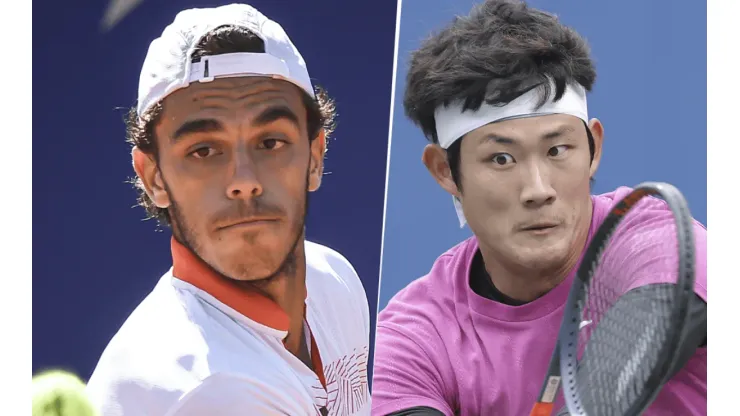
(501, 96)
(228, 138)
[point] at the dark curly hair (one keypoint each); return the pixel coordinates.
(499, 51)
(321, 111)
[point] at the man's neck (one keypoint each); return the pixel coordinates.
(277, 302)
(288, 290)
(523, 285)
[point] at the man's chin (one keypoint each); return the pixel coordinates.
(239, 267)
(253, 273)
(541, 257)
(239, 245)
(251, 261)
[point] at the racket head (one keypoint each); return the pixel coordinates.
(581, 397)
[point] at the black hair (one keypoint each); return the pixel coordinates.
(499, 51)
(224, 39)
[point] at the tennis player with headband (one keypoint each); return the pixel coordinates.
(229, 137)
(501, 96)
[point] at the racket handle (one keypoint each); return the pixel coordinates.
(546, 399)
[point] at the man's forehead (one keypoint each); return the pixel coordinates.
(250, 94)
(236, 87)
(529, 128)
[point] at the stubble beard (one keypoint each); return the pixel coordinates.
(185, 235)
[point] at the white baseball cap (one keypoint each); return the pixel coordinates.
(168, 66)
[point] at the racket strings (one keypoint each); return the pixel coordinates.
(623, 320)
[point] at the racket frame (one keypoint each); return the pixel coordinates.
(550, 388)
(564, 361)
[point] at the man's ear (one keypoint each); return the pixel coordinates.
(597, 131)
(147, 170)
(316, 164)
(435, 159)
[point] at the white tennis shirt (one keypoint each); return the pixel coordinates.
(198, 346)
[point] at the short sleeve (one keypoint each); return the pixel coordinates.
(644, 249)
(405, 375)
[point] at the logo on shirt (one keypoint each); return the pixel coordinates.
(346, 384)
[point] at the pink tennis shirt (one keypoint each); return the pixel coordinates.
(441, 345)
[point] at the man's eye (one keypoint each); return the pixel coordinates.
(272, 144)
(502, 159)
(557, 151)
(202, 152)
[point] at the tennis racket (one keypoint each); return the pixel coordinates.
(617, 341)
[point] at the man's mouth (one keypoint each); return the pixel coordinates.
(540, 228)
(247, 223)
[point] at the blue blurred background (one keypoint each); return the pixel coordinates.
(650, 94)
(94, 259)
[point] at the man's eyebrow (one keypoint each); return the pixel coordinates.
(497, 139)
(201, 125)
(560, 131)
(209, 125)
(553, 134)
(275, 113)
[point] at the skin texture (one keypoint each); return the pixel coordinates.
(234, 169)
(521, 173)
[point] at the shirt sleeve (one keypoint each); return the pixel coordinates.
(405, 375)
(644, 250)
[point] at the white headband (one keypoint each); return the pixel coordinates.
(452, 123)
